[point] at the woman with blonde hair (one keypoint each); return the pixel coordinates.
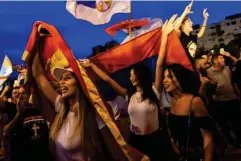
(76, 131)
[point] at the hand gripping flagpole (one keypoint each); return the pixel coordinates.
(130, 17)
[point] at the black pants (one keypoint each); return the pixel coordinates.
(224, 111)
(156, 145)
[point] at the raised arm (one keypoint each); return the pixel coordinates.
(42, 81)
(167, 28)
(204, 25)
(105, 77)
(227, 54)
(7, 130)
(182, 17)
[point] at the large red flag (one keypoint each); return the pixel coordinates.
(140, 48)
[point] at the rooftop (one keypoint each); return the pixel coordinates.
(234, 16)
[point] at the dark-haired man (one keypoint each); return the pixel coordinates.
(26, 136)
(208, 85)
(226, 104)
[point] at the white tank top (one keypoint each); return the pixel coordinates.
(143, 115)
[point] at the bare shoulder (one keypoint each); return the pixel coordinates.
(198, 107)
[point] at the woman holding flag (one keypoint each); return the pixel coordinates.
(75, 133)
(146, 131)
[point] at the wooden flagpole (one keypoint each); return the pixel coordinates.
(130, 17)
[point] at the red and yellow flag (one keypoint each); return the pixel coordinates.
(56, 53)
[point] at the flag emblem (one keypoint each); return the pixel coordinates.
(97, 12)
(103, 5)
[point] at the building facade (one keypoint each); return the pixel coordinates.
(221, 33)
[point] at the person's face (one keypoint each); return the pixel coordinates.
(15, 94)
(187, 25)
(203, 63)
(220, 61)
(170, 82)
(68, 85)
(134, 78)
(23, 98)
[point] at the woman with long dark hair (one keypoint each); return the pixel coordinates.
(189, 121)
(144, 103)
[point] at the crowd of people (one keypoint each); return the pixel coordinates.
(204, 117)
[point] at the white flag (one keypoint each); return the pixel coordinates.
(6, 70)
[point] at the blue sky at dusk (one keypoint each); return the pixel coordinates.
(17, 19)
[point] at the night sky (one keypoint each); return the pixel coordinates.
(17, 19)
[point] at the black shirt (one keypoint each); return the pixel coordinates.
(10, 109)
(190, 45)
(180, 129)
(29, 138)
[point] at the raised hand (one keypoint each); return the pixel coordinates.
(188, 8)
(20, 106)
(20, 68)
(39, 28)
(223, 52)
(205, 13)
(85, 62)
(169, 25)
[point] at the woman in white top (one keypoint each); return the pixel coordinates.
(143, 108)
(75, 132)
